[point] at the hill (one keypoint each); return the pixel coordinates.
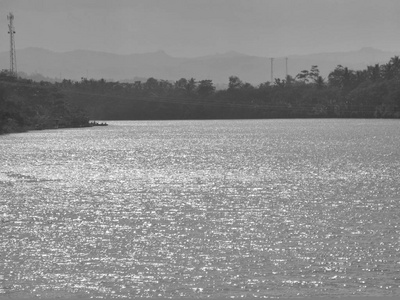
(255, 70)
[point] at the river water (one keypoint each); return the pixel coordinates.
(260, 208)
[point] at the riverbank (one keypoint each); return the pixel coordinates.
(14, 128)
(26, 105)
(60, 296)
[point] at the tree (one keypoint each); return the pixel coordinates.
(303, 76)
(311, 75)
(289, 80)
(342, 78)
(234, 83)
(391, 69)
(191, 85)
(319, 82)
(205, 88)
(181, 84)
(374, 72)
(137, 85)
(151, 84)
(279, 82)
(314, 74)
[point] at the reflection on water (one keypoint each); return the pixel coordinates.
(273, 208)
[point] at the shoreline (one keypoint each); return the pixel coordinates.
(86, 297)
(29, 129)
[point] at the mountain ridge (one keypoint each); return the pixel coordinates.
(80, 63)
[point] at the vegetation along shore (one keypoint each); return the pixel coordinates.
(370, 93)
(27, 105)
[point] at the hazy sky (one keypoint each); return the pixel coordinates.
(201, 27)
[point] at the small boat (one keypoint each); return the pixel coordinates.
(94, 123)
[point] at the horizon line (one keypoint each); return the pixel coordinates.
(206, 55)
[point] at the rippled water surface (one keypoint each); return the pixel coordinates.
(263, 208)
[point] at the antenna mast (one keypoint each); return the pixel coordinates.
(13, 56)
(286, 67)
(272, 70)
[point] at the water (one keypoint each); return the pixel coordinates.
(261, 208)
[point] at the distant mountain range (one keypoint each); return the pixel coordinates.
(91, 64)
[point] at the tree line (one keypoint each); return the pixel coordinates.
(370, 93)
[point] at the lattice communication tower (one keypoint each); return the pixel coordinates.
(13, 56)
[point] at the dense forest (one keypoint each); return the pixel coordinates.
(370, 93)
(27, 105)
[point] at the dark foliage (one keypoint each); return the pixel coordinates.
(26, 105)
(370, 93)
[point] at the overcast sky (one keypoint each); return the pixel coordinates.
(188, 28)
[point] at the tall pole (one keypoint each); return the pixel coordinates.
(272, 69)
(13, 56)
(286, 67)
